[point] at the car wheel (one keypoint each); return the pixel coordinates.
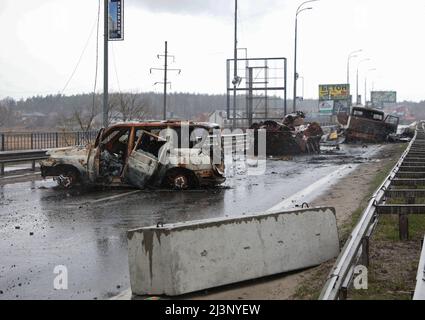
(179, 180)
(67, 180)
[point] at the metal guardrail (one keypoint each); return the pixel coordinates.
(44, 140)
(237, 143)
(420, 278)
(21, 156)
(356, 249)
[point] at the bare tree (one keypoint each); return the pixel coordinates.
(121, 107)
(128, 106)
(7, 114)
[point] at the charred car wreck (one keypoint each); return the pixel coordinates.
(370, 126)
(291, 137)
(141, 155)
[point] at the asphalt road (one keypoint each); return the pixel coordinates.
(42, 226)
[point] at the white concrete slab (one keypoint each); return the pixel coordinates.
(187, 257)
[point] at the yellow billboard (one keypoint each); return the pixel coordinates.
(334, 92)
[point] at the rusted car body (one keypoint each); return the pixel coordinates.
(290, 137)
(142, 154)
(370, 125)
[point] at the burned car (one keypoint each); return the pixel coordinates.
(291, 137)
(171, 154)
(370, 125)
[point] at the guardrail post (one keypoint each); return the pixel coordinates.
(403, 226)
(343, 293)
(365, 252)
(2, 141)
(57, 139)
(32, 141)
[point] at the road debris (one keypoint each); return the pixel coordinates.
(291, 137)
(370, 126)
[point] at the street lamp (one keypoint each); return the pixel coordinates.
(357, 80)
(350, 56)
(299, 10)
(365, 84)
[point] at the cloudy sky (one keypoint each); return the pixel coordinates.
(43, 40)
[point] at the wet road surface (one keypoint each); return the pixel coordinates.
(42, 226)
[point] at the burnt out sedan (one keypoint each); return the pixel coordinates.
(172, 154)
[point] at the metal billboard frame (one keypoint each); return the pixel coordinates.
(251, 87)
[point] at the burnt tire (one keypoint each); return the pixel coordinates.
(68, 179)
(180, 180)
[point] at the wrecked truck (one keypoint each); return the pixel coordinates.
(292, 136)
(144, 154)
(370, 126)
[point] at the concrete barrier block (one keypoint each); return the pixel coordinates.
(186, 257)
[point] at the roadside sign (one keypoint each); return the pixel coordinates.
(116, 14)
(334, 98)
(334, 92)
(381, 97)
(326, 107)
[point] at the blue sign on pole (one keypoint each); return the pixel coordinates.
(116, 21)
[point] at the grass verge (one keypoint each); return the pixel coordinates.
(311, 287)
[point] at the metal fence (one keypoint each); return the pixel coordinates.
(44, 140)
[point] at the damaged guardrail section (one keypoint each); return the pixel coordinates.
(181, 258)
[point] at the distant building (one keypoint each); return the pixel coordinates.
(219, 117)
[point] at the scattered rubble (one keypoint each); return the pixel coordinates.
(291, 137)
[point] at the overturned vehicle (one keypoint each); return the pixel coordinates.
(170, 154)
(291, 137)
(370, 126)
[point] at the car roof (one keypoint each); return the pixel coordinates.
(369, 109)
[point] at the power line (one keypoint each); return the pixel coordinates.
(165, 69)
(79, 59)
(97, 57)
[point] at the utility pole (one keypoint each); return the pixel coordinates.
(235, 65)
(165, 79)
(105, 64)
(165, 82)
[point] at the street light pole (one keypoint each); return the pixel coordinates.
(235, 65)
(105, 63)
(350, 56)
(365, 84)
(299, 10)
(357, 80)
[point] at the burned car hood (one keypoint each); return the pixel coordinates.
(80, 152)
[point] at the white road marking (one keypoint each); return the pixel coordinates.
(314, 190)
(318, 188)
(117, 196)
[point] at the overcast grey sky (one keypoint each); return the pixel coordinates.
(42, 41)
